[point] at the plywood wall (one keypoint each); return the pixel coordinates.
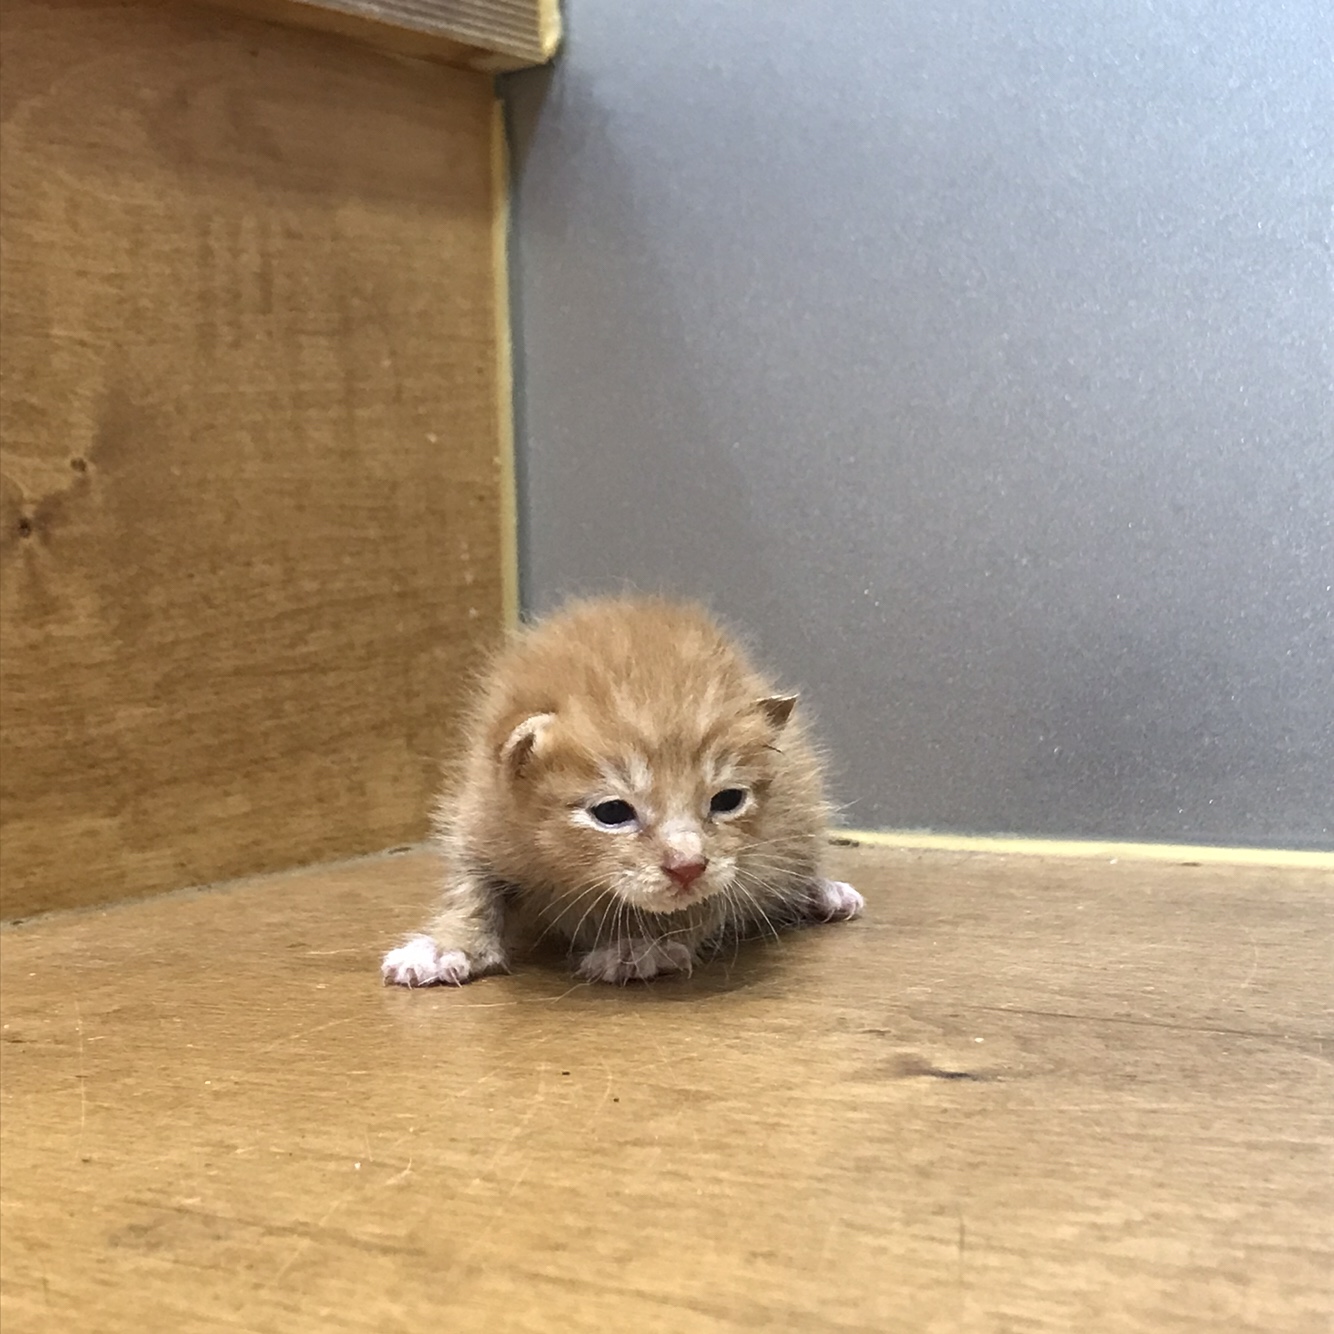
(254, 501)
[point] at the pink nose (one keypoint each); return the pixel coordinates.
(684, 873)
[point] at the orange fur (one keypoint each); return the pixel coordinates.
(641, 701)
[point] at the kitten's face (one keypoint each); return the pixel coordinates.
(662, 822)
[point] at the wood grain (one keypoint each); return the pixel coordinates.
(1020, 1095)
(492, 36)
(251, 530)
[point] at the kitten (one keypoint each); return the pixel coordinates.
(633, 786)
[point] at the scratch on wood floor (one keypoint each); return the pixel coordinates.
(307, 1241)
(301, 1033)
(400, 1176)
(606, 1092)
(82, 1078)
(1132, 1020)
(488, 1227)
(959, 1268)
(547, 1001)
(1248, 979)
(508, 1142)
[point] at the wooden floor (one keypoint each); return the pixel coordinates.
(1020, 1095)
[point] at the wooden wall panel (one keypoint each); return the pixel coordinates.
(252, 526)
(489, 35)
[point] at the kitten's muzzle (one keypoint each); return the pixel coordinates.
(684, 871)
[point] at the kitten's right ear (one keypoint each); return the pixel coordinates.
(778, 709)
(521, 744)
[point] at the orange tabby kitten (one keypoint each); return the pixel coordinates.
(634, 786)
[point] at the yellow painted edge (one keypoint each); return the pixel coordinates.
(550, 27)
(509, 500)
(1111, 849)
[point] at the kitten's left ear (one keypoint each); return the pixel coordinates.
(777, 709)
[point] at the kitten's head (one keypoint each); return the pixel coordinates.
(662, 812)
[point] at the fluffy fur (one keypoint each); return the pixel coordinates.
(619, 704)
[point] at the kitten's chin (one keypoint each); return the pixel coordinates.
(657, 908)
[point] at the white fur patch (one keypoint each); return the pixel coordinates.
(639, 773)
(630, 778)
(681, 839)
(835, 901)
(420, 962)
(635, 960)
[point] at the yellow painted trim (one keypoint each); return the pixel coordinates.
(550, 26)
(1111, 850)
(509, 501)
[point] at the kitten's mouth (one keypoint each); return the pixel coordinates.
(666, 899)
(678, 897)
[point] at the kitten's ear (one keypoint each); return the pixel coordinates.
(521, 743)
(777, 709)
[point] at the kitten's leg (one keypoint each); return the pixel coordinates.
(636, 959)
(802, 898)
(464, 940)
(640, 957)
(830, 901)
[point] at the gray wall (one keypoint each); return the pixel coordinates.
(977, 357)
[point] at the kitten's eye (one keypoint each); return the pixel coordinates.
(613, 813)
(728, 800)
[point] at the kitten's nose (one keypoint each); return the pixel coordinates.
(684, 871)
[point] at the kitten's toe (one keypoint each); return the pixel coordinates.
(834, 901)
(420, 962)
(635, 961)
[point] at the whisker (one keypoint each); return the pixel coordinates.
(599, 905)
(592, 890)
(757, 904)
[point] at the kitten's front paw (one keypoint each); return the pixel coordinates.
(635, 961)
(834, 901)
(420, 962)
